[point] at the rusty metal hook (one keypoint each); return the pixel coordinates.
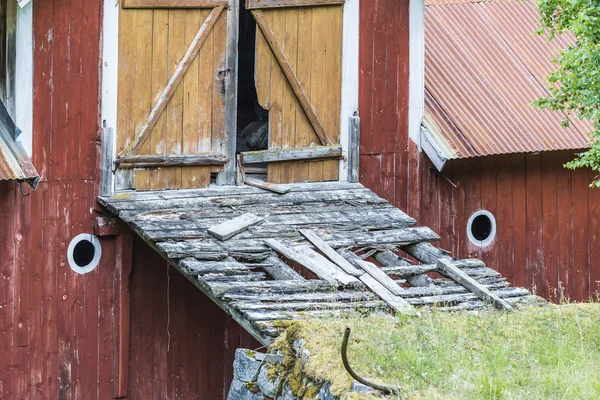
(382, 388)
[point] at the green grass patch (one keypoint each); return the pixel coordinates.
(550, 352)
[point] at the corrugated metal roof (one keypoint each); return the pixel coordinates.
(484, 66)
(14, 162)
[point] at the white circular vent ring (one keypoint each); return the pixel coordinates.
(91, 245)
(492, 232)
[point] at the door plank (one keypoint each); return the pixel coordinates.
(181, 68)
(291, 76)
(174, 3)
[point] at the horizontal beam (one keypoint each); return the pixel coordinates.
(174, 3)
(278, 155)
(129, 162)
(253, 4)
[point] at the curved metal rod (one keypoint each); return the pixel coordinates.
(383, 388)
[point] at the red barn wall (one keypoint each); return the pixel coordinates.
(59, 331)
(182, 343)
(548, 218)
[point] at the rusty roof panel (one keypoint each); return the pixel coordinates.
(483, 68)
(14, 162)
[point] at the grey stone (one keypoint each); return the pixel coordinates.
(325, 394)
(267, 386)
(286, 394)
(239, 391)
(359, 387)
(246, 364)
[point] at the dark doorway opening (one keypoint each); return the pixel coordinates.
(252, 119)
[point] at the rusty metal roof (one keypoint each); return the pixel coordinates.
(484, 66)
(14, 162)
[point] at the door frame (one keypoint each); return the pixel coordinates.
(117, 180)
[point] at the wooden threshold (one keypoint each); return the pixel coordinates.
(129, 162)
(278, 155)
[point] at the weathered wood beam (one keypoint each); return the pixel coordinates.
(185, 63)
(297, 154)
(448, 269)
(316, 263)
(388, 258)
(106, 226)
(397, 303)
(330, 252)
(173, 3)
(155, 161)
(254, 4)
(293, 80)
(271, 187)
(373, 271)
(234, 226)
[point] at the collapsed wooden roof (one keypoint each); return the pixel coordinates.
(355, 250)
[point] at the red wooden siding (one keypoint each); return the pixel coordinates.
(182, 344)
(548, 218)
(60, 331)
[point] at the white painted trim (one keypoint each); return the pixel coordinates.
(24, 75)
(436, 158)
(84, 269)
(482, 243)
(110, 58)
(416, 85)
(350, 60)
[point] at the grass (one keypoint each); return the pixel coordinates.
(548, 352)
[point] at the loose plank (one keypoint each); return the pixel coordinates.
(272, 187)
(303, 153)
(313, 261)
(395, 302)
(451, 271)
(253, 4)
(374, 271)
(232, 227)
(330, 252)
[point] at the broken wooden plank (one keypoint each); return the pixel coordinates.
(280, 270)
(272, 187)
(330, 252)
(297, 154)
(388, 258)
(308, 258)
(232, 227)
(374, 271)
(397, 303)
(448, 269)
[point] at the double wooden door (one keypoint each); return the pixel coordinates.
(178, 81)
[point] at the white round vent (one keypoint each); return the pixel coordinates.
(84, 253)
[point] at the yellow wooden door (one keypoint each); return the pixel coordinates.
(298, 79)
(176, 92)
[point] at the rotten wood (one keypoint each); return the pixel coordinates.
(374, 271)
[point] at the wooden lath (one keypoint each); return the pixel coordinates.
(239, 269)
(253, 4)
(292, 78)
(160, 105)
(173, 3)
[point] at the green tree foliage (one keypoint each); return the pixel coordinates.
(575, 84)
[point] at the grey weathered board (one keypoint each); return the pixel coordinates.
(309, 224)
(230, 228)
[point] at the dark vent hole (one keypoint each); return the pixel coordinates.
(481, 228)
(83, 253)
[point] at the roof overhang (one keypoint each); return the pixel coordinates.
(15, 164)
